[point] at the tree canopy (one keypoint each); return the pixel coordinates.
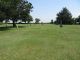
(64, 16)
(78, 19)
(14, 10)
(37, 20)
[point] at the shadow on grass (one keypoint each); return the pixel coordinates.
(5, 28)
(21, 27)
(10, 27)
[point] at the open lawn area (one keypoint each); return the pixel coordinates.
(40, 42)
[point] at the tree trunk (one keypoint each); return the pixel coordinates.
(25, 22)
(28, 22)
(61, 24)
(6, 23)
(79, 22)
(14, 24)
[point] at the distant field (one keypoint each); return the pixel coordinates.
(40, 42)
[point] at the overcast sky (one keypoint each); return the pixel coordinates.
(47, 9)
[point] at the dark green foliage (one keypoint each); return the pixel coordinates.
(78, 20)
(52, 22)
(14, 10)
(73, 20)
(27, 18)
(64, 16)
(37, 20)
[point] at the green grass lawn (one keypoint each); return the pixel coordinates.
(40, 42)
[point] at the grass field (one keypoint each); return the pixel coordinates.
(40, 42)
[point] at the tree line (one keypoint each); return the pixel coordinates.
(19, 10)
(65, 17)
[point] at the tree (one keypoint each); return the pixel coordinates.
(64, 17)
(74, 20)
(2, 13)
(52, 21)
(13, 9)
(27, 18)
(78, 19)
(37, 20)
(24, 10)
(2, 16)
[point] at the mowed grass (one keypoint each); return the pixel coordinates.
(40, 42)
